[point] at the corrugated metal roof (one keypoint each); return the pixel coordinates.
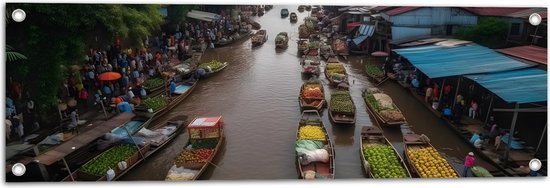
(526, 13)
(521, 86)
(438, 61)
(493, 11)
(400, 10)
(531, 53)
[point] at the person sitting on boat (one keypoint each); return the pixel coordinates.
(172, 86)
(124, 107)
(447, 112)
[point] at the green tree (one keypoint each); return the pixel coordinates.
(54, 36)
(490, 32)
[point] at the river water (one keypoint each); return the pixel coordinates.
(257, 94)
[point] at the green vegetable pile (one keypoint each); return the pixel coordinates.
(373, 102)
(374, 71)
(206, 143)
(109, 159)
(155, 102)
(341, 102)
(314, 45)
(383, 161)
(153, 82)
(214, 65)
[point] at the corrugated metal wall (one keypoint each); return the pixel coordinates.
(399, 33)
(434, 16)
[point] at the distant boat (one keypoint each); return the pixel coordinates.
(284, 13)
(293, 17)
(281, 41)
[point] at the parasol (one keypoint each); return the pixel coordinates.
(108, 76)
(379, 54)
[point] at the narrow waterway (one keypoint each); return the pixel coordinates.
(258, 97)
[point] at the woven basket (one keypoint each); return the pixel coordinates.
(191, 165)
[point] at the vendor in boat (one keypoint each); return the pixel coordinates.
(124, 106)
(172, 86)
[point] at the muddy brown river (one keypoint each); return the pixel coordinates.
(258, 97)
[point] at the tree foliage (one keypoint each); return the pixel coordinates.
(490, 31)
(54, 36)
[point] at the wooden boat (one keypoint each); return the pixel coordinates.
(293, 17)
(341, 108)
(388, 115)
(164, 132)
(371, 135)
(303, 31)
(335, 73)
(209, 73)
(314, 60)
(206, 135)
(375, 73)
(301, 8)
(268, 7)
(303, 45)
(308, 7)
(319, 169)
(415, 144)
(259, 38)
(234, 38)
(281, 41)
(312, 102)
(261, 11)
(284, 13)
(326, 51)
(183, 89)
(310, 68)
(340, 47)
(255, 25)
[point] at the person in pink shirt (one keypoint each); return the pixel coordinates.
(473, 109)
(469, 162)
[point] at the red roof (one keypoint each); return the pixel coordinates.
(493, 11)
(400, 10)
(531, 53)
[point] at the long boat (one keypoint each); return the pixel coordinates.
(206, 135)
(341, 108)
(372, 139)
(312, 96)
(159, 135)
(209, 73)
(259, 38)
(335, 72)
(241, 35)
(293, 17)
(281, 41)
(424, 160)
(302, 45)
(375, 73)
(183, 89)
(381, 106)
(312, 131)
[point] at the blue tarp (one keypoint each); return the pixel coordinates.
(521, 86)
(438, 61)
(365, 31)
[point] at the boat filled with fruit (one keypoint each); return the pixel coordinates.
(341, 108)
(120, 159)
(379, 157)
(314, 148)
(302, 45)
(206, 135)
(424, 160)
(312, 95)
(335, 72)
(340, 47)
(381, 106)
(212, 67)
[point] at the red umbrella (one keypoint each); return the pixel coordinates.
(108, 76)
(379, 54)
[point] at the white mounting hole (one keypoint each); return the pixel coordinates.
(535, 164)
(18, 169)
(535, 19)
(18, 15)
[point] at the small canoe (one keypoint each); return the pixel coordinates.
(233, 38)
(372, 139)
(312, 95)
(301, 8)
(424, 160)
(314, 149)
(209, 73)
(281, 41)
(341, 108)
(293, 17)
(375, 73)
(302, 45)
(284, 13)
(340, 47)
(335, 73)
(206, 135)
(259, 38)
(381, 106)
(186, 88)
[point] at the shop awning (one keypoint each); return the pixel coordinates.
(521, 86)
(531, 53)
(365, 31)
(439, 61)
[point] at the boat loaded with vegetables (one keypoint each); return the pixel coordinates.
(161, 104)
(381, 106)
(153, 86)
(312, 96)
(118, 160)
(374, 72)
(293, 17)
(206, 136)
(314, 148)
(212, 67)
(281, 41)
(302, 46)
(341, 108)
(259, 38)
(379, 157)
(424, 160)
(335, 72)
(313, 48)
